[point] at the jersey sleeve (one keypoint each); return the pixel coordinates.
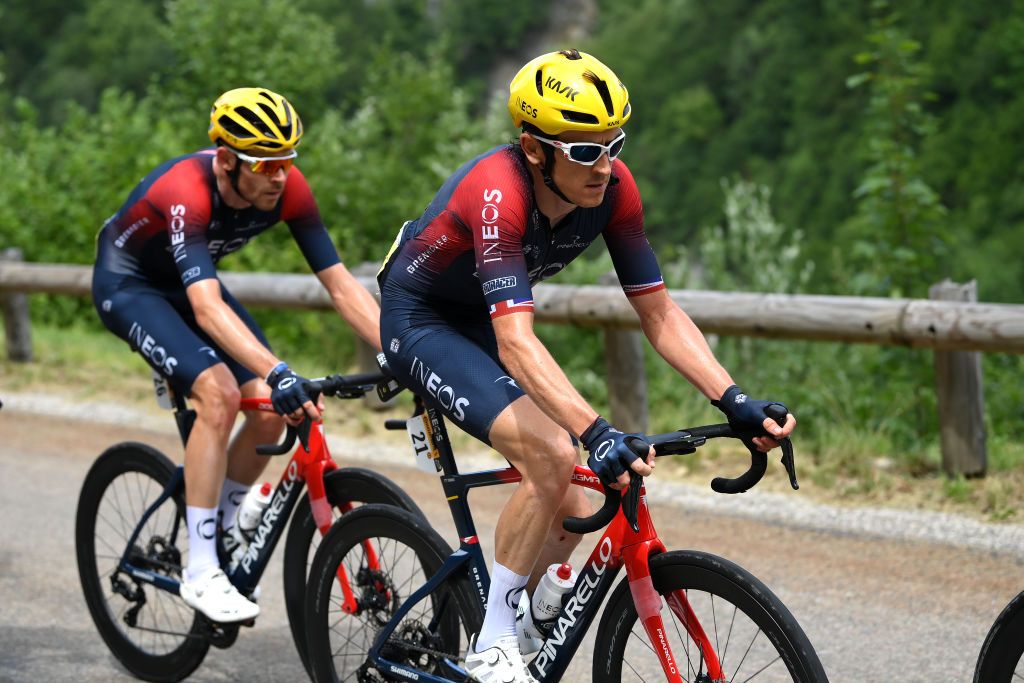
(632, 255)
(182, 198)
(299, 210)
(493, 205)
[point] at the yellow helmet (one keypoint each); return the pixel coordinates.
(255, 119)
(568, 90)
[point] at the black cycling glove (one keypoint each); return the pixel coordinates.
(287, 390)
(611, 451)
(744, 412)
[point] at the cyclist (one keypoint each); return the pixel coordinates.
(457, 318)
(155, 285)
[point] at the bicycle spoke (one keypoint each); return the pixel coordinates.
(761, 670)
(745, 653)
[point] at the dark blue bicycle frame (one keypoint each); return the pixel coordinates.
(578, 612)
(273, 521)
(246, 575)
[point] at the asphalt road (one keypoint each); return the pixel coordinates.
(877, 610)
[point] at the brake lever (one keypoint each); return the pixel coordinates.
(631, 500)
(778, 413)
(302, 431)
(789, 462)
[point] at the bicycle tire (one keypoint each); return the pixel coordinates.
(347, 484)
(409, 551)
(719, 591)
(121, 484)
(1000, 660)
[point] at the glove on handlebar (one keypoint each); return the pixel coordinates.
(611, 451)
(287, 390)
(744, 412)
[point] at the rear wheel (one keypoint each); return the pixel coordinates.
(1001, 658)
(345, 486)
(386, 554)
(751, 631)
(153, 633)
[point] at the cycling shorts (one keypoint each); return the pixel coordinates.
(450, 361)
(160, 326)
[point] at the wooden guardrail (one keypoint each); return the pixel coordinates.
(942, 325)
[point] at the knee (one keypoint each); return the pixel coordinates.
(217, 403)
(264, 423)
(550, 469)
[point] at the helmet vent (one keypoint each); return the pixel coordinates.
(602, 89)
(286, 127)
(571, 54)
(539, 80)
(233, 127)
(254, 120)
(578, 117)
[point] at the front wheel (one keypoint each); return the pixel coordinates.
(383, 555)
(345, 487)
(1001, 658)
(752, 633)
(152, 632)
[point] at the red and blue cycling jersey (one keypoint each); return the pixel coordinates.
(174, 227)
(482, 243)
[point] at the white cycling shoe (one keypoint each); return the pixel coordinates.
(214, 596)
(500, 663)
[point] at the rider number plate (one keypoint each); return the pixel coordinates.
(422, 438)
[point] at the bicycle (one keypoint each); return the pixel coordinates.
(131, 538)
(406, 610)
(1002, 654)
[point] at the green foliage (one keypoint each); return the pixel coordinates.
(222, 45)
(910, 175)
(898, 235)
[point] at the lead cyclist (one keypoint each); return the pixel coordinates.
(457, 319)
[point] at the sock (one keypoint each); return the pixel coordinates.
(231, 495)
(502, 601)
(202, 548)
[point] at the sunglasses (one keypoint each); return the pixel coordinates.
(587, 153)
(268, 165)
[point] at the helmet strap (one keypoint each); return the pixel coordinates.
(549, 163)
(233, 179)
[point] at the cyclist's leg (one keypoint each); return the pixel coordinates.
(559, 544)
(457, 369)
(159, 325)
(260, 427)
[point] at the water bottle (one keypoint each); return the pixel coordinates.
(250, 511)
(546, 603)
(530, 639)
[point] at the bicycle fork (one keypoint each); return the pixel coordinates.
(648, 608)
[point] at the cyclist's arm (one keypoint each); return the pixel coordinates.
(531, 365)
(353, 302)
(229, 332)
(674, 335)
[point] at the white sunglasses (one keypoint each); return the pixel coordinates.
(268, 165)
(588, 153)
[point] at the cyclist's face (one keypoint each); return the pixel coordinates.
(262, 190)
(584, 185)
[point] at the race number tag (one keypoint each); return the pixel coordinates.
(163, 390)
(422, 440)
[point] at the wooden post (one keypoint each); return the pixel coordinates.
(627, 382)
(17, 324)
(960, 395)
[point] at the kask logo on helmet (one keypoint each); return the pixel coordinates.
(568, 92)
